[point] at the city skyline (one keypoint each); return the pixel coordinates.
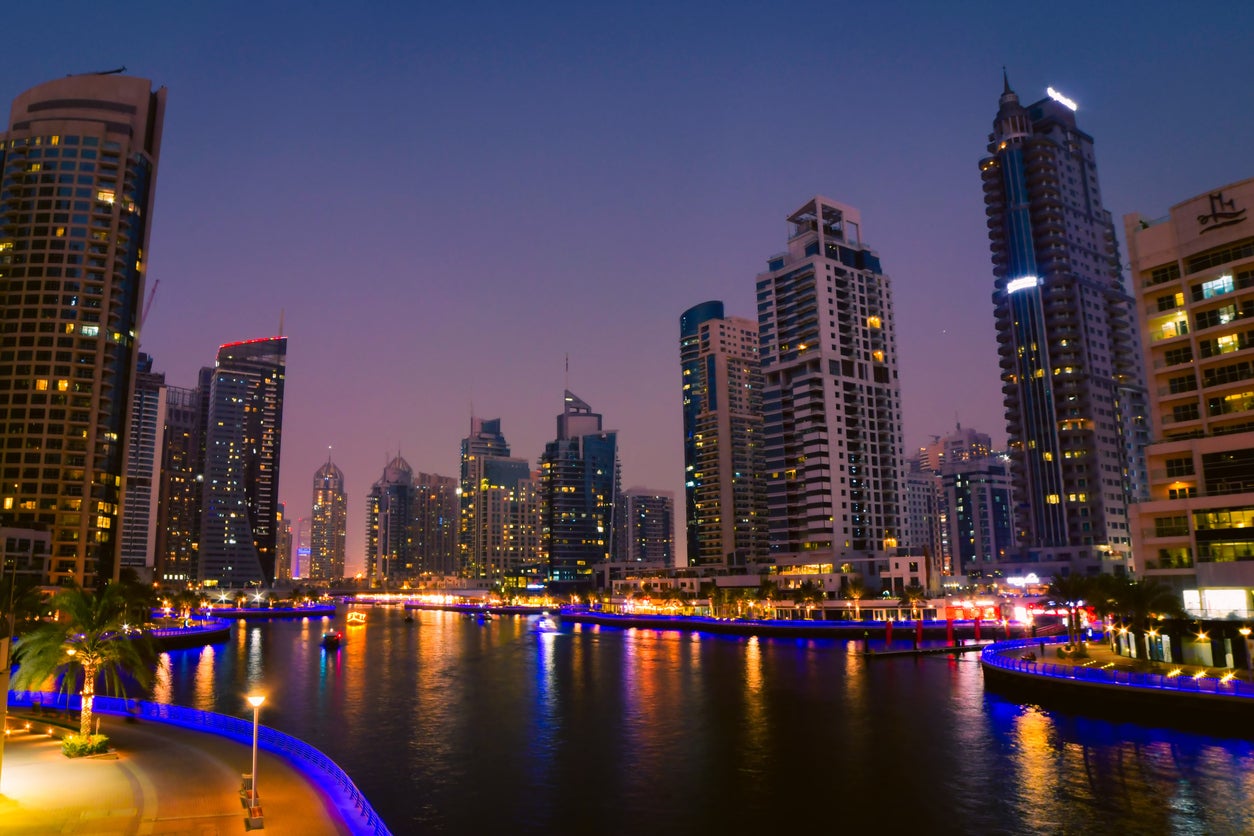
(571, 182)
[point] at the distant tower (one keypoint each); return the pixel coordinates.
(389, 524)
(645, 538)
(283, 547)
(832, 403)
(435, 524)
(329, 524)
(1070, 364)
(78, 170)
(579, 484)
(724, 490)
(143, 471)
(242, 443)
(182, 455)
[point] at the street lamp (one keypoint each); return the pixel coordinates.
(255, 700)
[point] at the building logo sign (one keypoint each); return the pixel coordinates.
(1222, 213)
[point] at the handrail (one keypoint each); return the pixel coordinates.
(994, 656)
(317, 766)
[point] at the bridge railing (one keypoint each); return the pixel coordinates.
(360, 817)
(1000, 655)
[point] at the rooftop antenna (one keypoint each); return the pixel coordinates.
(102, 72)
(281, 313)
(566, 379)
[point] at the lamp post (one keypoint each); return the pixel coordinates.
(255, 700)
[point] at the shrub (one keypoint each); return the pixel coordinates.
(77, 745)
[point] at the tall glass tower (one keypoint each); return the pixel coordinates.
(241, 480)
(329, 524)
(78, 168)
(1071, 376)
(579, 486)
(724, 493)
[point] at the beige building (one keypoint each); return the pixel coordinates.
(78, 170)
(1193, 273)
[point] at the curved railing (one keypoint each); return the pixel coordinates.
(360, 817)
(995, 655)
(206, 625)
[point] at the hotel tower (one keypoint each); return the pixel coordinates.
(78, 171)
(1070, 366)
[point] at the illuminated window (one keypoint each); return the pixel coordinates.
(1052, 499)
(105, 195)
(874, 322)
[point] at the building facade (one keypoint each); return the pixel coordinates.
(328, 525)
(645, 538)
(389, 525)
(1070, 365)
(78, 167)
(180, 493)
(724, 489)
(1193, 274)
(435, 524)
(243, 440)
(579, 485)
(834, 452)
(141, 507)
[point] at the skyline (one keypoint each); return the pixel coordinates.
(425, 197)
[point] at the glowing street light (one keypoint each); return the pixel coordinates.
(255, 700)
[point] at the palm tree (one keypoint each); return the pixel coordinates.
(88, 638)
(1141, 600)
(812, 593)
(21, 603)
(1072, 590)
(913, 597)
(855, 591)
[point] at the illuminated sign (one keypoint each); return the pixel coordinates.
(1015, 285)
(1030, 579)
(1060, 98)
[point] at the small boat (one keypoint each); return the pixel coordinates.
(485, 616)
(546, 623)
(409, 618)
(331, 639)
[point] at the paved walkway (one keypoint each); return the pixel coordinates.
(1102, 657)
(163, 780)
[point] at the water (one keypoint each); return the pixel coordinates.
(451, 726)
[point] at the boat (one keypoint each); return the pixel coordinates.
(409, 618)
(546, 623)
(485, 616)
(331, 639)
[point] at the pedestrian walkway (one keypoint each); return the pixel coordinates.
(163, 779)
(1100, 656)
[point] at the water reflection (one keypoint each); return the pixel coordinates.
(453, 726)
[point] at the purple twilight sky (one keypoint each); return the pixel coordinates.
(445, 200)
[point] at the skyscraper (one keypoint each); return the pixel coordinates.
(579, 484)
(645, 538)
(832, 404)
(1193, 272)
(140, 510)
(724, 491)
(78, 168)
(283, 546)
(435, 513)
(243, 438)
(329, 524)
(182, 464)
(389, 524)
(1070, 363)
(486, 467)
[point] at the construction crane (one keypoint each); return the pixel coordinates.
(152, 294)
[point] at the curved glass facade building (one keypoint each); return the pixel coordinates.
(78, 167)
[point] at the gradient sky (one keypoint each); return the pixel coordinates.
(445, 200)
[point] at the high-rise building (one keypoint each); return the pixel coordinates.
(485, 466)
(283, 546)
(978, 518)
(1070, 365)
(304, 538)
(435, 512)
(1193, 274)
(645, 538)
(921, 532)
(328, 525)
(960, 445)
(141, 507)
(243, 434)
(579, 485)
(78, 167)
(182, 465)
(724, 490)
(389, 524)
(832, 403)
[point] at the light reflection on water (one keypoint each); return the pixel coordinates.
(453, 726)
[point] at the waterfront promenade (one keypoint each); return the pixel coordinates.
(163, 779)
